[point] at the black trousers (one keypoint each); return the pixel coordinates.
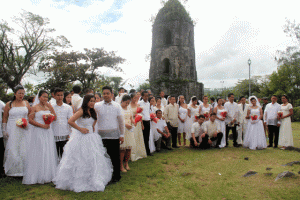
(2, 150)
(192, 142)
(146, 134)
(234, 133)
(273, 130)
(60, 147)
(205, 145)
(113, 150)
(173, 131)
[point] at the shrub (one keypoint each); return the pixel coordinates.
(296, 116)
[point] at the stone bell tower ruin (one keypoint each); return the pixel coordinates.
(173, 67)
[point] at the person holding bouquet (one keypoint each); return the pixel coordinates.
(139, 150)
(221, 114)
(14, 127)
(193, 111)
(205, 108)
(285, 131)
(255, 135)
(41, 159)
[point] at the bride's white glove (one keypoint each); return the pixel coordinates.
(4, 130)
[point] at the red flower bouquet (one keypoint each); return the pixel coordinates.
(48, 118)
(152, 116)
(206, 114)
(196, 117)
(138, 118)
(155, 120)
(254, 117)
(139, 110)
(22, 123)
(224, 114)
(280, 114)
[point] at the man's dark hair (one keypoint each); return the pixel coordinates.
(121, 88)
(158, 111)
(274, 95)
(212, 99)
(144, 92)
(201, 116)
(77, 89)
(213, 114)
(132, 91)
(242, 97)
(126, 97)
(172, 96)
(107, 88)
(52, 90)
(58, 90)
(229, 95)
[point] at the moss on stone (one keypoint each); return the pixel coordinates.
(173, 10)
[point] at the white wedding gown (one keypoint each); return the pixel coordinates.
(255, 135)
(85, 165)
(41, 158)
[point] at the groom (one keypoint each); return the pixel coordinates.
(111, 128)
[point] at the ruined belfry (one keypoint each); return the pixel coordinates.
(173, 64)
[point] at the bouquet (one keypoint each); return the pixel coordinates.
(138, 118)
(153, 117)
(254, 117)
(22, 123)
(280, 114)
(224, 114)
(139, 110)
(48, 118)
(206, 114)
(196, 117)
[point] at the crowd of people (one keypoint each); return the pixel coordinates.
(83, 144)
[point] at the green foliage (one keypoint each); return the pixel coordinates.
(296, 116)
(187, 174)
(144, 86)
(64, 68)
(21, 49)
(172, 10)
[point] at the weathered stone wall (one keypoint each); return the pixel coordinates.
(173, 43)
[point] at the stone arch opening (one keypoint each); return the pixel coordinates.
(166, 66)
(168, 37)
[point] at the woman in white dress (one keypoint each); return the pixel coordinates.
(285, 131)
(205, 108)
(219, 110)
(152, 126)
(129, 142)
(139, 150)
(182, 118)
(158, 106)
(15, 151)
(255, 135)
(85, 165)
(193, 110)
(41, 158)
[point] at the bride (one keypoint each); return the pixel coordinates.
(85, 165)
(255, 135)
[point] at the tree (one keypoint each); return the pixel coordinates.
(144, 86)
(63, 68)
(21, 49)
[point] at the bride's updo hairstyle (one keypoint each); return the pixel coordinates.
(85, 107)
(16, 89)
(252, 99)
(195, 99)
(42, 92)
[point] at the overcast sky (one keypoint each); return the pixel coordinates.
(227, 33)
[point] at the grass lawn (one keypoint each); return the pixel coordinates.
(188, 174)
